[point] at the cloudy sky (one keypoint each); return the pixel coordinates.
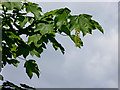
(95, 65)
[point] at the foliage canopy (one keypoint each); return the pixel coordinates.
(26, 18)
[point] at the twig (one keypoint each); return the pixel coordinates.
(22, 58)
(62, 34)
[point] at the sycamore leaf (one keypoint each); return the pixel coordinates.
(44, 28)
(83, 23)
(14, 62)
(12, 5)
(41, 29)
(64, 29)
(17, 5)
(56, 44)
(8, 5)
(33, 8)
(34, 52)
(22, 24)
(51, 12)
(31, 67)
(97, 26)
(23, 49)
(34, 38)
(61, 17)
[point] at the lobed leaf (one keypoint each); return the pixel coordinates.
(12, 5)
(34, 38)
(33, 8)
(44, 28)
(83, 23)
(31, 67)
(14, 62)
(61, 17)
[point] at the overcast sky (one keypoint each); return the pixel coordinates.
(95, 65)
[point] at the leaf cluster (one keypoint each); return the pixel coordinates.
(19, 18)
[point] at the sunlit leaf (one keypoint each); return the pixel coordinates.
(34, 38)
(61, 17)
(44, 28)
(83, 23)
(22, 24)
(33, 7)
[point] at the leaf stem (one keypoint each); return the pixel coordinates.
(62, 34)
(22, 58)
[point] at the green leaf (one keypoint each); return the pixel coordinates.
(12, 5)
(17, 5)
(14, 62)
(80, 41)
(22, 24)
(82, 23)
(44, 28)
(1, 77)
(61, 17)
(0, 49)
(55, 43)
(51, 12)
(97, 26)
(8, 5)
(34, 38)
(31, 67)
(4, 59)
(33, 8)
(30, 19)
(13, 48)
(40, 50)
(6, 51)
(23, 49)
(55, 47)
(34, 52)
(14, 35)
(64, 29)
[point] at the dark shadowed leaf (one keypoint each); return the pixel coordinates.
(27, 87)
(31, 67)
(1, 77)
(65, 30)
(22, 24)
(14, 62)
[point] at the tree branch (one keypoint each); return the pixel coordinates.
(62, 34)
(22, 58)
